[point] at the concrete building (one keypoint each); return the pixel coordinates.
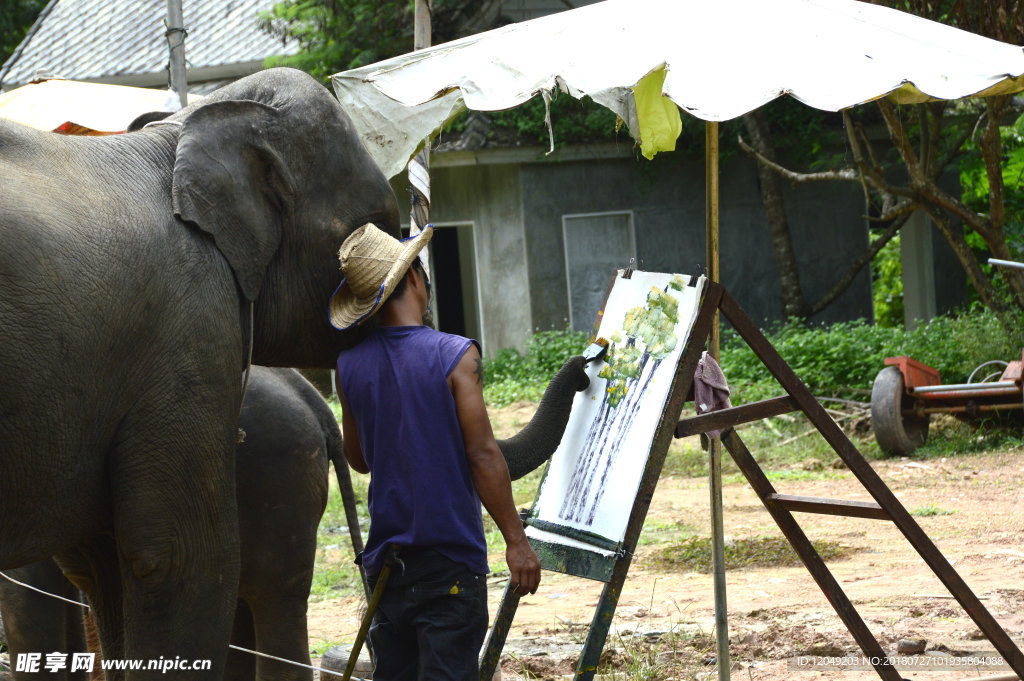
(528, 242)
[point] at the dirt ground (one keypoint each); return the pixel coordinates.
(664, 620)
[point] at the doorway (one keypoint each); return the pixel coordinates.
(453, 278)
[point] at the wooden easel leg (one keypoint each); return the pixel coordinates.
(811, 560)
(602, 622)
(867, 476)
(499, 633)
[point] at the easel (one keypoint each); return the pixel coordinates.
(612, 571)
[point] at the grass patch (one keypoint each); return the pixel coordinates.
(335, 576)
(335, 573)
(635, 657)
(772, 444)
(511, 376)
(663, 531)
(930, 510)
(948, 436)
(694, 553)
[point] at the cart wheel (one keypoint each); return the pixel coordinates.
(896, 434)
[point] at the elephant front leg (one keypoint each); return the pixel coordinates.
(177, 535)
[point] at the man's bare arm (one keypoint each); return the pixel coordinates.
(490, 473)
(353, 450)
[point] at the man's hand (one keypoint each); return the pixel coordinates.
(523, 567)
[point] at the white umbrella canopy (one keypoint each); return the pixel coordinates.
(83, 108)
(716, 60)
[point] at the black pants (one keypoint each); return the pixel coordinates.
(431, 621)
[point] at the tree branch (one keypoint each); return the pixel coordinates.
(922, 186)
(858, 264)
(899, 210)
(793, 302)
(991, 149)
(847, 174)
(955, 236)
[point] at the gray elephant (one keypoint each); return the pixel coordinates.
(136, 273)
(281, 487)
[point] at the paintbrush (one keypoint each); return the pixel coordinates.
(595, 351)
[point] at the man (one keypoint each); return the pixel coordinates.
(414, 418)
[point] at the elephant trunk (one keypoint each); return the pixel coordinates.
(538, 440)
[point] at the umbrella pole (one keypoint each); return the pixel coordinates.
(715, 446)
(176, 44)
(419, 166)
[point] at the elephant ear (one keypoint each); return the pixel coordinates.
(232, 181)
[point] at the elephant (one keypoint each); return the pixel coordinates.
(140, 274)
(281, 468)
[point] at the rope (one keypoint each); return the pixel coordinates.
(233, 647)
(45, 593)
(281, 659)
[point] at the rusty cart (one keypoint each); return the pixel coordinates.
(906, 393)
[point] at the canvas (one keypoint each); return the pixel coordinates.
(593, 477)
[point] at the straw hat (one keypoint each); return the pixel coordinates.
(373, 263)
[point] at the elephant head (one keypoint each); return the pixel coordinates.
(272, 170)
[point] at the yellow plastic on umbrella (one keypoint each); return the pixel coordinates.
(657, 115)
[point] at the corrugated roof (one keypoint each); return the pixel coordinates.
(124, 41)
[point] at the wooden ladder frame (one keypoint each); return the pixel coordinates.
(781, 506)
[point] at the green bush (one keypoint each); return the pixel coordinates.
(838, 360)
(511, 376)
(841, 360)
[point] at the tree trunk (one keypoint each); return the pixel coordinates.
(793, 302)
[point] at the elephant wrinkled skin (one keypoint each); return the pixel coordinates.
(281, 480)
(127, 268)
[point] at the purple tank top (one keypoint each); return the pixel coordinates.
(421, 492)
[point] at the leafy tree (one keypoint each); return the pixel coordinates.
(16, 17)
(337, 35)
(924, 142)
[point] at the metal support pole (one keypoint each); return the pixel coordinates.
(176, 44)
(715, 446)
(419, 166)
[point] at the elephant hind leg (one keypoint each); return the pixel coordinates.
(280, 622)
(242, 666)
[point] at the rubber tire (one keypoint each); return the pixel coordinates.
(896, 434)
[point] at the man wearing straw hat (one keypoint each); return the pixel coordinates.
(414, 418)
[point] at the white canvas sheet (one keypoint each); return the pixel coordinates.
(721, 59)
(593, 477)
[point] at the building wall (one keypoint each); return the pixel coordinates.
(666, 198)
(488, 197)
(516, 205)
